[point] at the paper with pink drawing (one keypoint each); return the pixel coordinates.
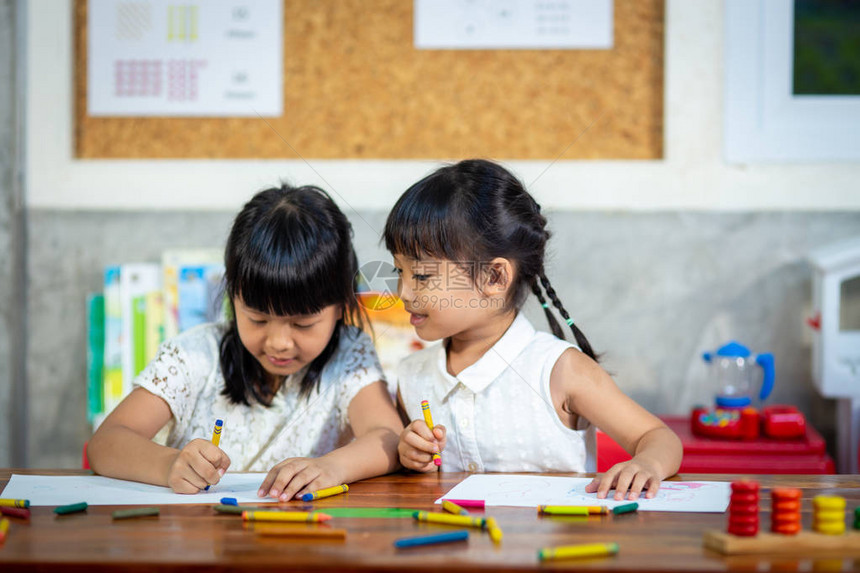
(532, 490)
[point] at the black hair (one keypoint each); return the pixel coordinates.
(289, 252)
(474, 211)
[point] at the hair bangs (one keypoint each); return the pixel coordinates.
(287, 271)
(425, 222)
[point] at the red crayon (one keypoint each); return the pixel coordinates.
(475, 503)
(15, 512)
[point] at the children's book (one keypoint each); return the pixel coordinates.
(112, 392)
(192, 280)
(136, 281)
(95, 356)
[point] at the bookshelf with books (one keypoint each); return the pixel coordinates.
(142, 305)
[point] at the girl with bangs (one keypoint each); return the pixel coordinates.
(292, 375)
(469, 244)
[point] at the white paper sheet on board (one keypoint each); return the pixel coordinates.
(513, 24)
(164, 58)
(98, 490)
(530, 491)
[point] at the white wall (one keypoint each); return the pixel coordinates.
(692, 175)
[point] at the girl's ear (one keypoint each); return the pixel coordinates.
(498, 276)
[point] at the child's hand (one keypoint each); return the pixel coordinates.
(417, 445)
(198, 464)
(295, 477)
(633, 475)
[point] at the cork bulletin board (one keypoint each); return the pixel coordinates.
(356, 88)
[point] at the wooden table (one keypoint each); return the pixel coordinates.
(194, 537)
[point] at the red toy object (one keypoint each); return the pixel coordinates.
(747, 423)
(783, 422)
(743, 508)
(731, 423)
(785, 510)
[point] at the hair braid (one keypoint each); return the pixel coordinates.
(577, 334)
(553, 323)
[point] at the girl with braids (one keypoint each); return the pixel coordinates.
(291, 373)
(468, 242)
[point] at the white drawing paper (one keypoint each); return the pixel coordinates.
(532, 490)
(98, 490)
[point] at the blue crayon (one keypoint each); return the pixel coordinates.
(229, 501)
(459, 535)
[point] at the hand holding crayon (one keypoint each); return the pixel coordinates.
(420, 444)
(200, 463)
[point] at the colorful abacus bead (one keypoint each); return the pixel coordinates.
(857, 517)
(828, 514)
(785, 510)
(743, 509)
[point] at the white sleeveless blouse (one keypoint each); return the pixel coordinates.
(498, 412)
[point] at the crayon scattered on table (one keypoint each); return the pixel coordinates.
(625, 508)
(236, 509)
(327, 492)
(4, 529)
(229, 501)
(15, 512)
(428, 419)
(216, 438)
(562, 510)
(420, 540)
(472, 503)
(15, 502)
(136, 512)
(293, 516)
(452, 507)
(448, 519)
(71, 508)
(494, 530)
(578, 551)
(279, 530)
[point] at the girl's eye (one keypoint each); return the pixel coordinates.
(303, 326)
(257, 320)
(421, 278)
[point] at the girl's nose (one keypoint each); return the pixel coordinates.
(280, 338)
(404, 291)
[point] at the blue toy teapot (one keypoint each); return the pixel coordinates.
(731, 372)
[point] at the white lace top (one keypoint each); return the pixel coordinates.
(186, 373)
(498, 412)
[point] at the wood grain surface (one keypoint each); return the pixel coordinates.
(195, 537)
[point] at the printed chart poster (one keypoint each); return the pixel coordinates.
(513, 24)
(168, 58)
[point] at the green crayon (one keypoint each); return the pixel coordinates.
(136, 512)
(238, 509)
(625, 508)
(71, 508)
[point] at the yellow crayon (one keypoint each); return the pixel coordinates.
(327, 492)
(573, 509)
(494, 530)
(428, 419)
(216, 433)
(4, 529)
(578, 551)
(452, 507)
(216, 438)
(284, 516)
(448, 519)
(15, 502)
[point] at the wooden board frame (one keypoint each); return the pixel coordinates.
(356, 88)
